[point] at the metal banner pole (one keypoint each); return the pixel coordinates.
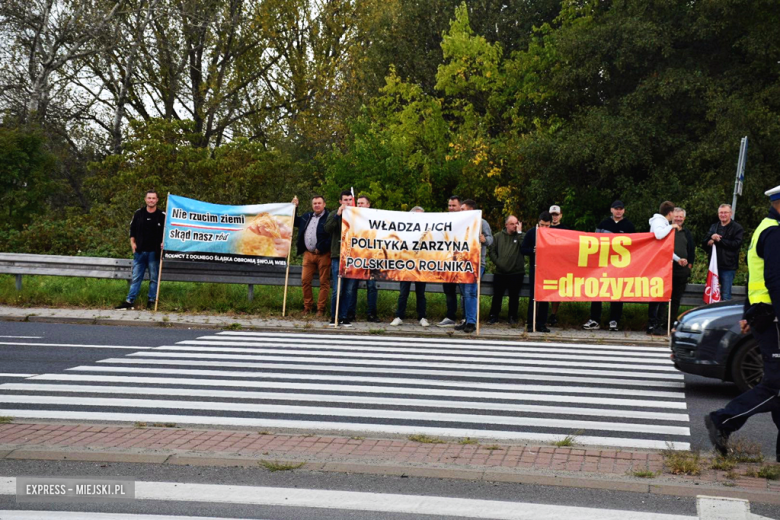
(162, 251)
(669, 322)
(740, 181)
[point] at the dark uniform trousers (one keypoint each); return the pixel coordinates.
(764, 396)
(503, 283)
(541, 309)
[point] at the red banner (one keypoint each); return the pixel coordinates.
(576, 266)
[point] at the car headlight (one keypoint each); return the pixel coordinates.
(693, 325)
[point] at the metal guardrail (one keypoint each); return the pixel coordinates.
(120, 269)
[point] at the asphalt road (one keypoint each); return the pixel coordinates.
(377, 374)
(537, 501)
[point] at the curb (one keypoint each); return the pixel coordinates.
(293, 327)
(517, 477)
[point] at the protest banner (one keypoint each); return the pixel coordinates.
(411, 247)
(576, 266)
(256, 235)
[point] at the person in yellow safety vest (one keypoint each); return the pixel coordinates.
(762, 309)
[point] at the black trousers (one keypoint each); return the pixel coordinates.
(541, 308)
(506, 283)
(615, 311)
(656, 311)
(451, 296)
(764, 396)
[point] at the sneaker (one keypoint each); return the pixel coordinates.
(124, 306)
(150, 305)
(424, 322)
(372, 319)
(345, 323)
(659, 331)
(468, 328)
(613, 326)
(553, 320)
(461, 326)
(649, 329)
(591, 325)
(718, 437)
(396, 322)
(492, 320)
(446, 322)
(512, 321)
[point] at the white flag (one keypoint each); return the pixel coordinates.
(712, 289)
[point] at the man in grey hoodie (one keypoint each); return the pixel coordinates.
(661, 225)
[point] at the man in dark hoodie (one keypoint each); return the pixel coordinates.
(333, 227)
(528, 248)
(509, 272)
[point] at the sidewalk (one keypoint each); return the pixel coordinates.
(297, 324)
(267, 451)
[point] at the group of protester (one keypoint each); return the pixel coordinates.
(319, 242)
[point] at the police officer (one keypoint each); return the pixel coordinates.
(762, 309)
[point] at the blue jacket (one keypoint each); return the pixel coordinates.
(323, 238)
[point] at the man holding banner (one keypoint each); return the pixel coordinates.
(470, 301)
(314, 244)
(537, 316)
(342, 285)
(727, 235)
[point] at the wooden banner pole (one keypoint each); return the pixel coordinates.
(162, 251)
(286, 279)
(338, 298)
(479, 293)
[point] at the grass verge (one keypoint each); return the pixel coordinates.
(682, 462)
(280, 466)
(425, 439)
(644, 473)
(6, 419)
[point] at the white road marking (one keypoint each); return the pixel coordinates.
(650, 444)
(10, 374)
(354, 413)
(329, 365)
(348, 343)
(329, 398)
(73, 346)
(656, 363)
(360, 379)
(448, 341)
(354, 501)
(22, 337)
(515, 367)
(428, 392)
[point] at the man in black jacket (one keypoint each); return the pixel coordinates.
(509, 271)
(727, 236)
(528, 248)
(314, 244)
(617, 223)
(146, 239)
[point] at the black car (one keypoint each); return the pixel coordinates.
(707, 341)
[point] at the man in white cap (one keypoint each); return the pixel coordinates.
(762, 309)
(557, 215)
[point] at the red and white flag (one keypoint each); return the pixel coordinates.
(712, 289)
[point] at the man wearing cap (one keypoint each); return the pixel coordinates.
(617, 223)
(528, 248)
(555, 213)
(762, 309)
(727, 236)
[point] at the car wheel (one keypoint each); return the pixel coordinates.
(747, 367)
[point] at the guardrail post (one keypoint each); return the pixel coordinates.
(251, 294)
(18, 282)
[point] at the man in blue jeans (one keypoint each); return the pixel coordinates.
(727, 236)
(333, 227)
(470, 301)
(146, 239)
(371, 292)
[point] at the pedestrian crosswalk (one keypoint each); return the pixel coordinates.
(605, 395)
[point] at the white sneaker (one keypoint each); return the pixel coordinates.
(446, 322)
(613, 326)
(396, 322)
(591, 325)
(424, 323)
